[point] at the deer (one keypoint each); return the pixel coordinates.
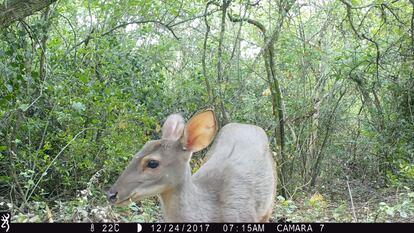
(235, 183)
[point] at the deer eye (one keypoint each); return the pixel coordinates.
(153, 164)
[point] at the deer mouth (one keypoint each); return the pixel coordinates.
(132, 198)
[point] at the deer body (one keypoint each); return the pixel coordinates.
(235, 184)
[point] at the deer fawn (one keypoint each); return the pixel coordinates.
(235, 184)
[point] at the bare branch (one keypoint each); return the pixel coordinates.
(412, 26)
(195, 17)
(220, 73)
(122, 25)
(251, 21)
(13, 10)
(352, 201)
(203, 59)
(349, 16)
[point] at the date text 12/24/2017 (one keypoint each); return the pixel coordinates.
(184, 227)
(205, 227)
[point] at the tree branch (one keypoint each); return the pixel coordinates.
(349, 16)
(169, 26)
(13, 10)
(141, 22)
(251, 21)
(276, 94)
(224, 7)
(195, 17)
(203, 59)
(122, 25)
(412, 26)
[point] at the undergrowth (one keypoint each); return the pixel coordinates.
(90, 205)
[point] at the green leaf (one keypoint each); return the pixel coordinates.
(84, 78)
(24, 107)
(390, 211)
(9, 87)
(78, 106)
(5, 179)
(35, 74)
(31, 182)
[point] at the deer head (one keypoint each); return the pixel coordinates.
(162, 164)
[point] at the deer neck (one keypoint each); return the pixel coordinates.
(180, 202)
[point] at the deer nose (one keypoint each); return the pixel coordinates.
(112, 197)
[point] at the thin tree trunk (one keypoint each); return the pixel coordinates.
(317, 99)
(203, 59)
(316, 166)
(279, 116)
(412, 27)
(224, 118)
(276, 95)
(45, 29)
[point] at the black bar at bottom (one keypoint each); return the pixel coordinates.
(208, 227)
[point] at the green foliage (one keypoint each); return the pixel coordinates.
(83, 88)
(86, 208)
(320, 209)
(402, 209)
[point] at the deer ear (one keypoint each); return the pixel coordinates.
(199, 131)
(173, 127)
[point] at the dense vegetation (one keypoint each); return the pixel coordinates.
(84, 84)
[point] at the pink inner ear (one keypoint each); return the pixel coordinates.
(199, 131)
(189, 143)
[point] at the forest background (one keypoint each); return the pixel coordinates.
(84, 84)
